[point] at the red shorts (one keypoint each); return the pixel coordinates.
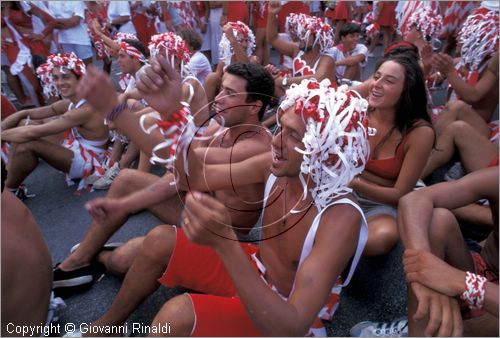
(258, 20)
(387, 16)
(341, 12)
(237, 11)
(481, 269)
(218, 311)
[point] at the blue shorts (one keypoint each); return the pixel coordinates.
(371, 208)
(82, 51)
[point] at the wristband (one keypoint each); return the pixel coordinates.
(474, 290)
(117, 110)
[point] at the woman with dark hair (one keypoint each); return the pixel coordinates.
(401, 139)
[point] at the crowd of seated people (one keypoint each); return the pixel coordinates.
(283, 162)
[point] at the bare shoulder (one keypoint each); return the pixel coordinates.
(341, 215)
(421, 130)
(61, 106)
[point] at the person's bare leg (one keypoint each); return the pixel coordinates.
(448, 244)
(127, 182)
(261, 49)
(130, 154)
(484, 326)
(353, 72)
(179, 312)
(14, 83)
(119, 260)
(382, 235)
(459, 110)
(387, 33)
(338, 27)
(475, 150)
(144, 164)
(25, 159)
(475, 215)
(142, 278)
(116, 152)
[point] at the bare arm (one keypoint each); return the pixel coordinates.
(57, 108)
(425, 268)
(283, 47)
(415, 209)
(32, 132)
(351, 60)
(335, 244)
(419, 146)
(68, 22)
(468, 93)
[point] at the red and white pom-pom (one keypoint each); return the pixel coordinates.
(427, 21)
(173, 48)
(302, 26)
(336, 140)
(478, 38)
(241, 32)
(65, 61)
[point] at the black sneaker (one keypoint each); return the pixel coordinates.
(66, 279)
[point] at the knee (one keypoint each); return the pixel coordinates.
(180, 312)
(457, 107)
(443, 224)
(382, 236)
(160, 243)
(126, 181)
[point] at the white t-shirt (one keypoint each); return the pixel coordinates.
(200, 66)
(66, 9)
(337, 54)
(121, 8)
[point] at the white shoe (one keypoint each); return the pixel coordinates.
(454, 173)
(105, 181)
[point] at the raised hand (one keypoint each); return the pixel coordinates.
(206, 221)
(98, 89)
(160, 85)
(442, 63)
(274, 7)
(106, 210)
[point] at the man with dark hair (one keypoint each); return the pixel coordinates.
(349, 55)
(313, 233)
(235, 134)
(132, 56)
(83, 151)
(199, 64)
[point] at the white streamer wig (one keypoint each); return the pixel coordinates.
(301, 26)
(426, 21)
(225, 49)
(478, 37)
(173, 48)
(64, 61)
(336, 139)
